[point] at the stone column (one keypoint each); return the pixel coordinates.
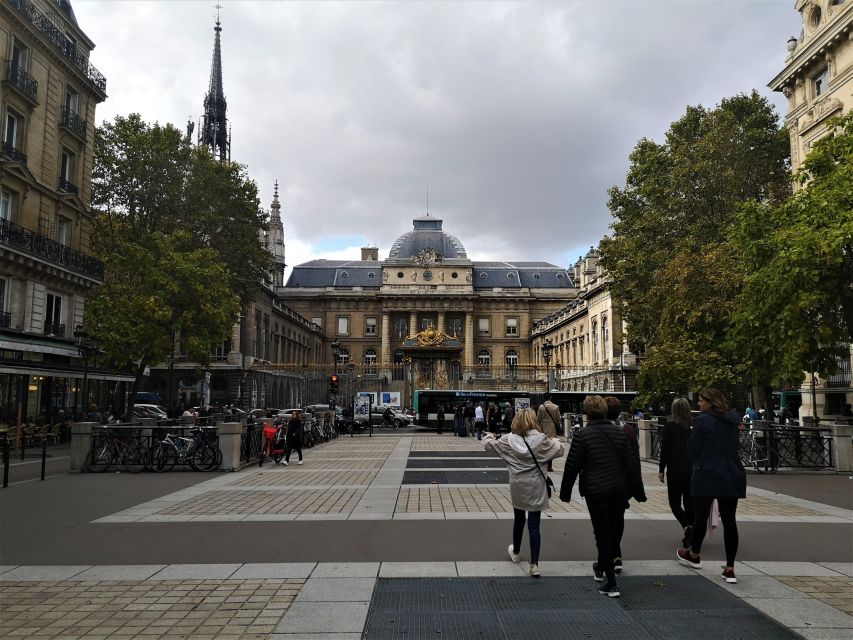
(646, 427)
(842, 447)
(385, 355)
(440, 320)
(468, 365)
(236, 347)
(81, 442)
(229, 444)
(413, 323)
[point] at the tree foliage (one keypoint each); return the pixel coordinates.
(795, 311)
(180, 236)
(672, 266)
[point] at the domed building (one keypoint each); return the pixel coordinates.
(427, 316)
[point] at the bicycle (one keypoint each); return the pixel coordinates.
(195, 451)
(109, 450)
(762, 456)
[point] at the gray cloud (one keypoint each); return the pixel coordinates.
(518, 115)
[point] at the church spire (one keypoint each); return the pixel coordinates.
(214, 133)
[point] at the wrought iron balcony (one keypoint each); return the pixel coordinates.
(54, 329)
(68, 187)
(35, 244)
(23, 82)
(12, 153)
(74, 123)
(5, 319)
(47, 26)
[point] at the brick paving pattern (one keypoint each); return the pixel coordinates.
(314, 478)
(259, 502)
(174, 609)
(464, 499)
(836, 592)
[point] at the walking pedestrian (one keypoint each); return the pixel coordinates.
(459, 421)
(674, 466)
(295, 431)
(614, 409)
(509, 416)
(609, 474)
(548, 415)
(479, 420)
(469, 414)
(717, 473)
(525, 450)
(440, 417)
(493, 418)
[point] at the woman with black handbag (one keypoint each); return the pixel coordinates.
(525, 450)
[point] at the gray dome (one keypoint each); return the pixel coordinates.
(427, 234)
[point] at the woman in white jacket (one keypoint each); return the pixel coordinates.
(526, 483)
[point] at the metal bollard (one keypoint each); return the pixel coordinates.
(5, 462)
(23, 446)
(43, 456)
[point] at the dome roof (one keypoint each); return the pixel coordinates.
(427, 234)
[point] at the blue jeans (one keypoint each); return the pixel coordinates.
(533, 518)
(478, 429)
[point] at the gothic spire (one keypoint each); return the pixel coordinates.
(214, 134)
(276, 205)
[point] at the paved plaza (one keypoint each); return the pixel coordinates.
(356, 544)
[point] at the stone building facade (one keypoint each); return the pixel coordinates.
(818, 81)
(587, 334)
(48, 95)
(475, 318)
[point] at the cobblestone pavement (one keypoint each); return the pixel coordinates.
(362, 478)
(307, 601)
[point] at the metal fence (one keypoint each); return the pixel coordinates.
(251, 443)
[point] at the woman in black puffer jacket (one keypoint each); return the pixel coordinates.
(609, 472)
(717, 473)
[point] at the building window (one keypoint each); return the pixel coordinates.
(53, 325)
(343, 325)
(220, 351)
(484, 358)
(6, 201)
(20, 55)
(399, 370)
(512, 326)
(454, 327)
(67, 166)
(4, 315)
(370, 362)
(595, 342)
(63, 231)
(483, 327)
(72, 100)
(401, 328)
(511, 358)
(370, 326)
(605, 337)
(580, 343)
(343, 357)
(12, 130)
(426, 321)
(821, 81)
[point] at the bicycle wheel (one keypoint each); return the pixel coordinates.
(204, 458)
(758, 457)
(167, 458)
(100, 458)
(134, 458)
(156, 458)
(773, 460)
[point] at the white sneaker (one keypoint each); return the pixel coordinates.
(283, 462)
(300, 462)
(534, 570)
(512, 554)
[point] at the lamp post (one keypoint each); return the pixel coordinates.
(336, 352)
(547, 351)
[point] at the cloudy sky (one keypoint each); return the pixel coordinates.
(518, 115)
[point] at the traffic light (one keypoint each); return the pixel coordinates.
(333, 385)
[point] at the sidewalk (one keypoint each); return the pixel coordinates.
(354, 544)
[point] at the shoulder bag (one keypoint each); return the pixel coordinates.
(549, 485)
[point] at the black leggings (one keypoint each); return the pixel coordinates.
(702, 510)
(678, 491)
(533, 518)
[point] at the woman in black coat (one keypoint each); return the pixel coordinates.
(674, 466)
(714, 446)
(295, 431)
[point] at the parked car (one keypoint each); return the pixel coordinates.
(150, 411)
(400, 418)
(287, 414)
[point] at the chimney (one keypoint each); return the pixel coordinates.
(370, 253)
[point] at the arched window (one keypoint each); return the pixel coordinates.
(595, 341)
(343, 357)
(370, 362)
(605, 338)
(484, 359)
(606, 385)
(511, 358)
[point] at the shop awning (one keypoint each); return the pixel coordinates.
(38, 369)
(35, 344)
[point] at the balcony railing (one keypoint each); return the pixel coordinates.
(67, 187)
(22, 81)
(35, 244)
(5, 319)
(14, 154)
(54, 329)
(49, 29)
(74, 123)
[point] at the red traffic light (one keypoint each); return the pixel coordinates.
(333, 379)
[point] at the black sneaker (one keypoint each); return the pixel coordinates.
(617, 565)
(611, 590)
(596, 574)
(687, 540)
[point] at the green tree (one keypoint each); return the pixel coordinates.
(795, 311)
(155, 290)
(672, 266)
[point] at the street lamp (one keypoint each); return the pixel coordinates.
(336, 352)
(547, 351)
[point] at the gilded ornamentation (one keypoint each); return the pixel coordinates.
(427, 258)
(430, 337)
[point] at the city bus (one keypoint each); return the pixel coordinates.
(426, 401)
